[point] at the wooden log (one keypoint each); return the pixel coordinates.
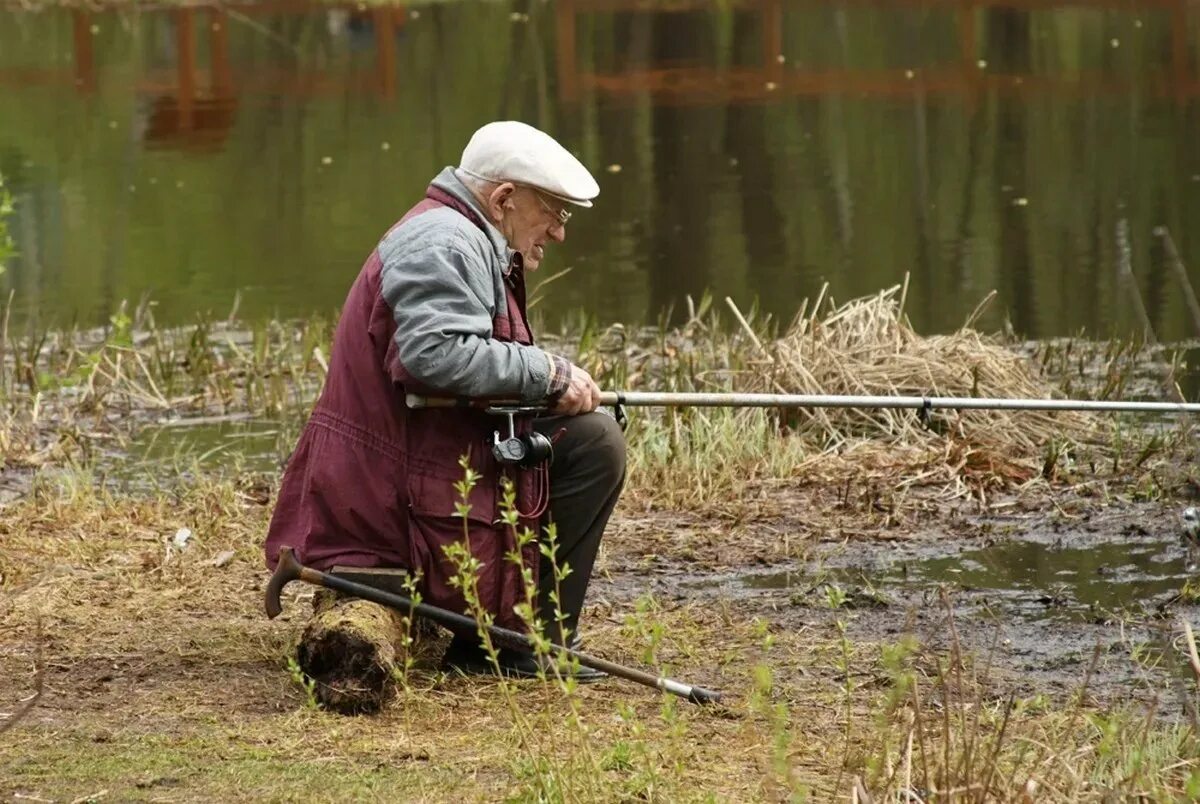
(355, 652)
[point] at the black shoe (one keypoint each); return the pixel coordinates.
(464, 654)
(468, 650)
(473, 660)
(518, 664)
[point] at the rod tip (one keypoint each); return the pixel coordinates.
(699, 695)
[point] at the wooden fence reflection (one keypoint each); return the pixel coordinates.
(772, 77)
(193, 103)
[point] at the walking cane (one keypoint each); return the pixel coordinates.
(289, 569)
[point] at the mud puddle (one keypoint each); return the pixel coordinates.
(1080, 579)
(1035, 605)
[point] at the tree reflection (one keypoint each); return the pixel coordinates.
(756, 149)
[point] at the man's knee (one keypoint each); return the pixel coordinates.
(606, 444)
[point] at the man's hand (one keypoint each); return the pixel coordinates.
(582, 394)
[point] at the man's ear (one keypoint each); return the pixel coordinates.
(500, 198)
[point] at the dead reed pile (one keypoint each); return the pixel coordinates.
(868, 347)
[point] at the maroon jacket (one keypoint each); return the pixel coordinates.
(371, 482)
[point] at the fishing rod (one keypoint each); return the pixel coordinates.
(529, 449)
(736, 400)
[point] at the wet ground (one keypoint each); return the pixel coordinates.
(1035, 585)
(1036, 581)
(1035, 597)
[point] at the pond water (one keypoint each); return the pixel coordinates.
(1085, 579)
(246, 444)
(757, 148)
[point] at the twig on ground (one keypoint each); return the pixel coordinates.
(39, 682)
(1193, 656)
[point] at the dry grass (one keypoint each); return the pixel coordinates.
(162, 679)
(79, 396)
(71, 395)
(163, 666)
(867, 347)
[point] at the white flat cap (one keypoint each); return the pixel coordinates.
(512, 151)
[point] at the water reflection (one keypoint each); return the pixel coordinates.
(758, 148)
(211, 444)
(1084, 581)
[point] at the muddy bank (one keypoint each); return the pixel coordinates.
(1035, 596)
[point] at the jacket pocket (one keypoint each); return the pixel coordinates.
(434, 526)
(435, 496)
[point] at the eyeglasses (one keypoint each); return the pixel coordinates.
(560, 214)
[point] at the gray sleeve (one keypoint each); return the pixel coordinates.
(443, 302)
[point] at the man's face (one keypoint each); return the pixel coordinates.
(531, 219)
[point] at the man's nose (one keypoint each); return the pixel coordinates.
(558, 233)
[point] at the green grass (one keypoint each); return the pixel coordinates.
(132, 766)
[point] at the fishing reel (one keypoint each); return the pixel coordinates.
(525, 450)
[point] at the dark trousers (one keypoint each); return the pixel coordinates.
(585, 481)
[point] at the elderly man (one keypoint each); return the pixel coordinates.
(439, 308)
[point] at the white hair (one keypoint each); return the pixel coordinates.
(480, 186)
